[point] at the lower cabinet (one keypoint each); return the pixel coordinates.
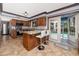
(13, 33)
(30, 41)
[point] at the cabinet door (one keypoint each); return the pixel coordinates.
(41, 21)
(24, 23)
(27, 23)
(13, 33)
(13, 22)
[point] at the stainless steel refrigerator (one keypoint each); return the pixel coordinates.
(5, 28)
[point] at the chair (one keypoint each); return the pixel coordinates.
(41, 36)
(46, 37)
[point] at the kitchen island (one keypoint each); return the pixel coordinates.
(29, 39)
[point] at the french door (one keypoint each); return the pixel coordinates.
(67, 29)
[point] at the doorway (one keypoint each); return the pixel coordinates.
(68, 30)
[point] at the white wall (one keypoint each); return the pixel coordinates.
(32, 8)
(77, 17)
(5, 18)
(78, 23)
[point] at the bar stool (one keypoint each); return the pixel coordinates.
(46, 37)
(41, 36)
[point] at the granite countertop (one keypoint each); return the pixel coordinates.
(31, 32)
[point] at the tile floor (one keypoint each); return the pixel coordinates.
(14, 47)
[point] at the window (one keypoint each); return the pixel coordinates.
(72, 25)
(53, 27)
(64, 25)
(34, 23)
(68, 25)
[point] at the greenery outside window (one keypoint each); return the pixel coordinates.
(64, 25)
(72, 25)
(53, 26)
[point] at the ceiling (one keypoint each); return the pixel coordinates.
(32, 8)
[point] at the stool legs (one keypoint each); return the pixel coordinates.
(46, 40)
(41, 47)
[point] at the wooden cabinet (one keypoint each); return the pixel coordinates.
(13, 22)
(12, 28)
(24, 23)
(28, 23)
(41, 21)
(30, 41)
(13, 33)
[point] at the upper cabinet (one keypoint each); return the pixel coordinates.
(13, 22)
(27, 23)
(41, 21)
